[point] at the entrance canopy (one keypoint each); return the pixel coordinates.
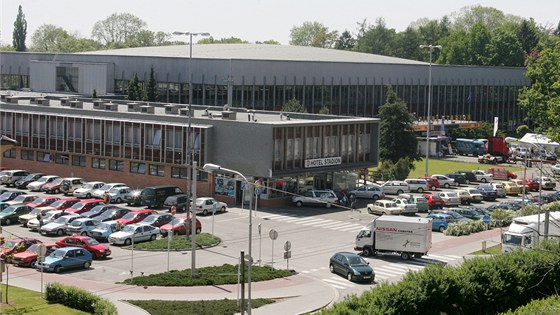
(533, 139)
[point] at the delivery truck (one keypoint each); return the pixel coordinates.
(407, 236)
(523, 232)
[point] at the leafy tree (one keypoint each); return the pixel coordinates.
(151, 88)
(345, 41)
(50, 38)
(376, 39)
(134, 90)
(454, 49)
(147, 38)
(408, 44)
(402, 168)
(293, 106)
(396, 123)
(324, 111)
(504, 49)
(312, 34)
(231, 40)
(20, 31)
(528, 35)
(556, 31)
(477, 14)
(117, 29)
(522, 130)
(478, 39)
(269, 42)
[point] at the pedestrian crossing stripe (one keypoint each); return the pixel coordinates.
(385, 272)
(321, 221)
(329, 225)
(338, 283)
(401, 271)
(345, 226)
(353, 228)
(406, 266)
(310, 220)
(299, 220)
(437, 257)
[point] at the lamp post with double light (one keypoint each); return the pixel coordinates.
(208, 167)
(431, 47)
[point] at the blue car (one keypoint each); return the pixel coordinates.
(103, 230)
(66, 258)
(440, 221)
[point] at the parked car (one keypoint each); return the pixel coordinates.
(312, 197)
(136, 216)
(433, 183)
(43, 202)
(459, 178)
(407, 208)
(50, 216)
(487, 191)
(465, 197)
(134, 199)
(10, 177)
(53, 187)
(103, 230)
(58, 226)
(495, 171)
(100, 192)
(482, 176)
(70, 184)
(455, 217)
(136, 232)
(11, 214)
(38, 184)
(471, 214)
(10, 195)
(154, 196)
(434, 201)
(16, 245)
(469, 176)
(450, 198)
(420, 201)
(351, 266)
(112, 214)
(25, 199)
(547, 183)
(85, 206)
(368, 192)
(180, 201)
(500, 189)
(82, 226)
(417, 184)
(473, 193)
(23, 182)
(119, 194)
(97, 210)
(87, 189)
(445, 181)
(527, 184)
(63, 204)
(28, 258)
(96, 249)
(505, 205)
(180, 226)
(555, 169)
(440, 221)
(382, 207)
(511, 188)
(206, 205)
(157, 219)
(66, 258)
(395, 187)
(23, 219)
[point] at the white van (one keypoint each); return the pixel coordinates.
(395, 187)
(417, 184)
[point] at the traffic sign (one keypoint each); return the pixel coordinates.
(257, 191)
(287, 255)
(41, 250)
(486, 219)
(273, 234)
(287, 246)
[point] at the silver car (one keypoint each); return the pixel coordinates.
(86, 191)
(368, 191)
(316, 198)
(134, 232)
(58, 226)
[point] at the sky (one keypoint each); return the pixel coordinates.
(251, 20)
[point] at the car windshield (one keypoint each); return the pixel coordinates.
(436, 197)
(57, 181)
(76, 223)
(97, 209)
(150, 219)
(103, 227)
(58, 203)
(29, 177)
(8, 244)
(9, 210)
(78, 206)
(452, 194)
(20, 198)
(115, 190)
(473, 191)
(62, 219)
(177, 221)
(455, 215)
(356, 261)
(513, 239)
(130, 216)
(92, 242)
(33, 248)
(87, 186)
(59, 253)
(129, 229)
(35, 211)
(43, 179)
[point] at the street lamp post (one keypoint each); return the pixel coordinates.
(208, 167)
(431, 47)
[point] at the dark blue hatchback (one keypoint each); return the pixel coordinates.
(352, 266)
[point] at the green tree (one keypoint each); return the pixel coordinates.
(397, 139)
(489, 17)
(20, 31)
(376, 39)
(50, 38)
(504, 49)
(408, 44)
(312, 34)
(345, 41)
(325, 111)
(147, 38)
(529, 35)
(454, 49)
(231, 40)
(268, 42)
(134, 91)
(151, 88)
(293, 106)
(521, 131)
(117, 29)
(478, 39)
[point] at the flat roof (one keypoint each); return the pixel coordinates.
(256, 52)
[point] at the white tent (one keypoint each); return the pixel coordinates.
(533, 139)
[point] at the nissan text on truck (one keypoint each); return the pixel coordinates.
(407, 236)
(523, 231)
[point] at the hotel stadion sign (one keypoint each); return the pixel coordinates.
(323, 162)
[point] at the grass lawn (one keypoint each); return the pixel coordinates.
(227, 307)
(179, 242)
(213, 275)
(494, 250)
(445, 166)
(22, 301)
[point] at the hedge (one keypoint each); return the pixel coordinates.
(79, 299)
(478, 286)
(550, 305)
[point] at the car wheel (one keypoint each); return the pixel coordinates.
(204, 212)
(8, 221)
(349, 276)
(153, 237)
(400, 191)
(405, 256)
(328, 205)
(127, 242)
(57, 269)
(83, 233)
(446, 185)
(331, 268)
(375, 197)
(119, 200)
(433, 188)
(88, 195)
(198, 230)
(223, 209)
(367, 251)
(369, 211)
(60, 232)
(57, 191)
(420, 190)
(467, 182)
(442, 229)
(483, 180)
(87, 264)
(33, 264)
(299, 204)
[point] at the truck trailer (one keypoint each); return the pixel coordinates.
(407, 236)
(524, 231)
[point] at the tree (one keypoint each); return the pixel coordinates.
(528, 35)
(345, 41)
(231, 40)
(117, 29)
(293, 106)
(312, 34)
(397, 138)
(50, 38)
(147, 38)
(324, 111)
(269, 42)
(151, 88)
(376, 39)
(134, 91)
(408, 44)
(20, 31)
(504, 49)
(487, 16)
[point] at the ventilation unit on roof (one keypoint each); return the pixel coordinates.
(76, 104)
(133, 107)
(172, 109)
(112, 107)
(97, 104)
(147, 109)
(229, 115)
(43, 102)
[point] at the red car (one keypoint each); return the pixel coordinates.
(42, 202)
(84, 206)
(63, 204)
(16, 245)
(136, 216)
(177, 225)
(433, 183)
(25, 199)
(28, 258)
(97, 249)
(434, 201)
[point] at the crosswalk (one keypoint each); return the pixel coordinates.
(387, 271)
(315, 222)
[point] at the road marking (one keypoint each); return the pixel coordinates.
(311, 223)
(386, 273)
(338, 283)
(345, 226)
(437, 257)
(305, 271)
(352, 228)
(402, 270)
(287, 218)
(305, 220)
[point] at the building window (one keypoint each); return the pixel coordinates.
(27, 155)
(179, 172)
(116, 165)
(43, 156)
(157, 170)
(79, 160)
(11, 154)
(61, 159)
(138, 168)
(98, 163)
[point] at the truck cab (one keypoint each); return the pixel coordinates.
(524, 231)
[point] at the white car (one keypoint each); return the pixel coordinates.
(368, 191)
(58, 226)
(500, 189)
(99, 193)
(38, 184)
(445, 181)
(474, 194)
(119, 194)
(450, 198)
(382, 207)
(138, 232)
(206, 205)
(547, 182)
(406, 207)
(395, 187)
(315, 198)
(482, 176)
(87, 189)
(34, 225)
(555, 169)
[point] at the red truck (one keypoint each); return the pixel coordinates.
(498, 151)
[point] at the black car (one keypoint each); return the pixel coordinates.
(97, 210)
(10, 195)
(471, 178)
(351, 266)
(488, 192)
(459, 179)
(22, 183)
(112, 214)
(505, 205)
(180, 201)
(158, 219)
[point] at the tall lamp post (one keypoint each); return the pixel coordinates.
(217, 168)
(431, 47)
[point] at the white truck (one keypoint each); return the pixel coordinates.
(523, 231)
(406, 236)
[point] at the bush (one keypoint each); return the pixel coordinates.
(464, 228)
(550, 305)
(79, 299)
(553, 206)
(502, 217)
(527, 210)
